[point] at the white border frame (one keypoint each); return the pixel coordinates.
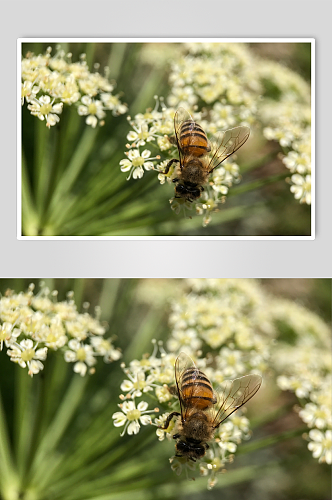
(20, 41)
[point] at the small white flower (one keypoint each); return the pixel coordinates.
(160, 422)
(182, 96)
(240, 426)
(93, 109)
(135, 163)
(26, 354)
(53, 335)
(163, 394)
(227, 446)
(104, 348)
(230, 362)
(164, 143)
(28, 91)
(8, 334)
(301, 387)
(283, 136)
(316, 416)
(43, 108)
(131, 417)
(185, 340)
(80, 354)
(301, 188)
(113, 103)
(321, 445)
(137, 384)
(141, 135)
(297, 162)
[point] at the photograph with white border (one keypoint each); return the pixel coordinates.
(111, 132)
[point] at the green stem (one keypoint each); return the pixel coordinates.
(151, 486)
(42, 165)
(59, 202)
(89, 50)
(45, 452)
(116, 58)
(69, 132)
(78, 289)
(29, 213)
(24, 416)
(94, 222)
(55, 380)
(108, 297)
(86, 470)
(8, 476)
(141, 341)
(152, 85)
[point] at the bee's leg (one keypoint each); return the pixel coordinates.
(172, 390)
(169, 164)
(172, 139)
(176, 436)
(169, 418)
(207, 446)
(175, 180)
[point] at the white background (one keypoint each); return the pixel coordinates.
(159, 18)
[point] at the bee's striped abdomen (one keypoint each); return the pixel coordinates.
(193, 139)
(197, 389)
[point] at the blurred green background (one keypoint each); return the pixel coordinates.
(90, 448)
(97, 200)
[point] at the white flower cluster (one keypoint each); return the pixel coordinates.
(306, 369)
(31, 325)
(50, 82)
(228, 316)
(221, 76)
(287, 118)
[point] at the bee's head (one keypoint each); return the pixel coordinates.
(187, 190)
(190, 449)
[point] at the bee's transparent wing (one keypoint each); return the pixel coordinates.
(225, 144)
(233, 394)
(182, 364)
(180, 117)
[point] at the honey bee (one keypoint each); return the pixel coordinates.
(197, 158)
(202, 408)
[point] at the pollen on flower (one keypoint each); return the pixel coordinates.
(133, 414)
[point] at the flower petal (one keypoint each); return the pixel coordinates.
(142, 406)
(133, 427)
